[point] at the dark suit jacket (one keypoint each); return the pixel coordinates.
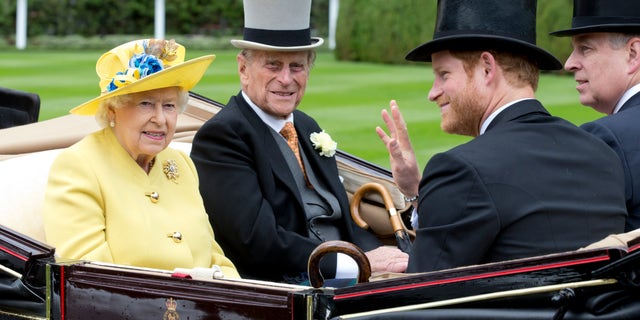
(253, 203)
(532, 184)
(621, 131)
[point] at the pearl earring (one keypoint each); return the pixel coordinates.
(112, 124)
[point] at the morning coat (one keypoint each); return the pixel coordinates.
(532, 184)
(251, 197)
(621, 131)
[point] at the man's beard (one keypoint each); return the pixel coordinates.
(464, 113)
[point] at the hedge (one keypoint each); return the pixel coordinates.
(368, 30)
(384, 31)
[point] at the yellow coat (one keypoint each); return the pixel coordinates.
(98, 207)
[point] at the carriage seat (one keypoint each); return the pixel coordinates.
(18, 107)
(23, 182)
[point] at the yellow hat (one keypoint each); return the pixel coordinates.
(143, 65)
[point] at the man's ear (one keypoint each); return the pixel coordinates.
(488, 64)
(634, 54)
(242, 66)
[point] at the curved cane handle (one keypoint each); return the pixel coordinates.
(348, 248)
(396, 224)
(355, 208)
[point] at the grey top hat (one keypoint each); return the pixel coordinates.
(603, 16)
(486, 24)
(277, 25)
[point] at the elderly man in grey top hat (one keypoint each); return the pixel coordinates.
(528, 183)
(272, 200)
(605, 61)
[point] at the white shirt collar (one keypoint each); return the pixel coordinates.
(494, 114)
(626, 96)
(275, 123)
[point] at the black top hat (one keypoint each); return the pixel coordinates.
(486, 24)
(603, 16)
(277, 25)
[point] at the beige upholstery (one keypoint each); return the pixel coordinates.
(22, 191)
(615, 240)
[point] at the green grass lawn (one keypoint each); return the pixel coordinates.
(345, 97)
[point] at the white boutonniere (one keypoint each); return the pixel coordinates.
(322, 141)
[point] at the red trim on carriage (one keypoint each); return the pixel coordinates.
(472, 277)
(62, 297)
(13, 253)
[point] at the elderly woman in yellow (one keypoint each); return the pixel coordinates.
(120, 195)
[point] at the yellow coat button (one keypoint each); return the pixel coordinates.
(176, 236)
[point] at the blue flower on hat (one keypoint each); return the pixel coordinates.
(146, 63)
(140, 66)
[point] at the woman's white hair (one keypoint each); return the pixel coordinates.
(102, 114)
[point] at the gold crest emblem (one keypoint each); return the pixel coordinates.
(170, 169)
(171, 313)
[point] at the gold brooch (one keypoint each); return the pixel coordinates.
(170, 169)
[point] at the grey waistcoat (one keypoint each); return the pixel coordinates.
(322, 209)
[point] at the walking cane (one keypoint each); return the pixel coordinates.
(402, 237)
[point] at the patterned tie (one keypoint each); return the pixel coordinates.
(289, 133)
